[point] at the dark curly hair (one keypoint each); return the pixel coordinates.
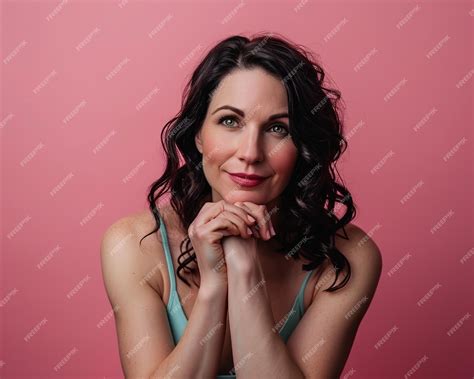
(308, 201)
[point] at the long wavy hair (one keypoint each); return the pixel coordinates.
(309, 201)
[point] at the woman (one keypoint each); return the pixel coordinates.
(265, 253)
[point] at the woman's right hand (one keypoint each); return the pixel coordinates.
(213, 222)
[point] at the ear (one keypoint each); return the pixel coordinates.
(198, 142)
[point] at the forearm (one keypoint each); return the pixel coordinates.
(257, 349)
(198, 352)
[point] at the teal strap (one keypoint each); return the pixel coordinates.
(169, 260)
(296, 312)
(300, 297)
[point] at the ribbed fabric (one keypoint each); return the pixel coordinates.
(178, 321)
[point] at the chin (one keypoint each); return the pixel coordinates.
(241, 196)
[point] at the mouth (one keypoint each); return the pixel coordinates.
(247, 181)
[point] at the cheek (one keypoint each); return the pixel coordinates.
(283, 161)
(215, 154)
(210, 141)
(212, 146)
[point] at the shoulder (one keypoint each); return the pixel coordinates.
(363, 255)
(122, 254)
(359, 248)
(333, 318)
(125, 231)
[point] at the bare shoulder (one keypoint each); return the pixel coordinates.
(139, 311)
(333, 318)
(121, 249)
(359, 246)
(363, 255)
(127, 228)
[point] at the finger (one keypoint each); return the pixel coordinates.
(255, 231)
(254, 227)
(241, 212)
(262, 216)
(241, 206)
(214, 210)
(220, 227)
(240, 223)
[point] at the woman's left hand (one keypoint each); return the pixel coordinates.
(241, 254)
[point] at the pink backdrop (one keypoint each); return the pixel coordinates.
(86, 89)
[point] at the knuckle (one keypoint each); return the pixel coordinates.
(198, 233)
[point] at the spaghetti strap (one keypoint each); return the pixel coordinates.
(169, 259)
(176, 316)
(300, 298)
(296, 312)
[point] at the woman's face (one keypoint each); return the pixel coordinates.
(249, 142)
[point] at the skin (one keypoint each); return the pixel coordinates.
(320, 344)
(249, 143)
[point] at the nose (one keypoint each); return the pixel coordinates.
(250, 147)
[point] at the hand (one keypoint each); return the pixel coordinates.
(260, 214)
(240, 254)
(213, 222)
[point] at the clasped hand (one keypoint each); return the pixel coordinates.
(241, 254)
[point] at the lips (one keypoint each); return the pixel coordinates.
(247, 176)
(247, 181)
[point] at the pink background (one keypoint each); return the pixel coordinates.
(427, 60)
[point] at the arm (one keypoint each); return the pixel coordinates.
(257, 351)
(145, 341)
(323, 339)
(198, 352)
(320, 344)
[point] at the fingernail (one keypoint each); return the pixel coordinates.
(273, 229)
(249, 231)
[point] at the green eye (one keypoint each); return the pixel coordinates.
(222, 119)
(233, 118)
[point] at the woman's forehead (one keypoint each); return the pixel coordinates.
(250, 91)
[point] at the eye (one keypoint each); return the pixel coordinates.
(233, 118)
(282, 126)
(222, 119)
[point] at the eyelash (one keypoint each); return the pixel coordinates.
(236, 119)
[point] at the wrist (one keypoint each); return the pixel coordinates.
(213, 287)
(249, 268)
(245, 276)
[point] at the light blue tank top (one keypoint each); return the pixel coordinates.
(178, 321)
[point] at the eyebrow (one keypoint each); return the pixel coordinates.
(242, 113)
